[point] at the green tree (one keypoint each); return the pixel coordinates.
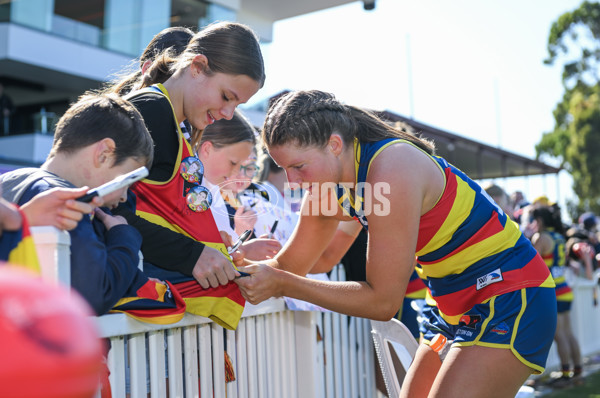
(574, 41)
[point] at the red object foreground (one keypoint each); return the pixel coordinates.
(48, 342)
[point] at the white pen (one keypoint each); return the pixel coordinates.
(118, 183)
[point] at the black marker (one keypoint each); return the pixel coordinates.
(242, 239)
(120, 182)
(273, 228)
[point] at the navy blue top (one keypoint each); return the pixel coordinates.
(103, 262)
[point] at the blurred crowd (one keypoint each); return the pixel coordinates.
(571, 250)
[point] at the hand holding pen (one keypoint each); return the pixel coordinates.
(243, 237)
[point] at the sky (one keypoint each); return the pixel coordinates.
(471, 67)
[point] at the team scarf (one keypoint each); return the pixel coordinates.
(18, 249)
(152, 301)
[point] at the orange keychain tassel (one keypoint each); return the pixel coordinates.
(229, 371)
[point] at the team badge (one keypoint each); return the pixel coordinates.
(501, 329)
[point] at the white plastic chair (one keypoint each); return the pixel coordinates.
(396, 347)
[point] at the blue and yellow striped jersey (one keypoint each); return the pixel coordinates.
(468, 248)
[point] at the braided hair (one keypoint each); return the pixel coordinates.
(308, 118)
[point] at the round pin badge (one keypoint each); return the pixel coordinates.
(199, 199)
(192, 170)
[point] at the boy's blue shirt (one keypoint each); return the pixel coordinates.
(103, 263)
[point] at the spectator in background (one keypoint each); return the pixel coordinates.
(224, 147)
(527, 222)
(7, 108)
(501, 198)
(238, 191)
(589, 222)
(273, 180)
(549, 241)
(518, 202)
(581, 252)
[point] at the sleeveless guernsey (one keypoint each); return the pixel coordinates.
(556, 262)
(468, 249)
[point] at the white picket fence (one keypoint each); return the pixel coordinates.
(585, 318)
(275, 352)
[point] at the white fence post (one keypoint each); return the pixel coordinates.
(53, 250)
(308, 365)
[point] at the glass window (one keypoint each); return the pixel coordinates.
(33, 13)
(131, 24)
(5, 12)
(216, 12)
(125, 26)
(187, 13)
(79, 20)
(90, 12)
(196, 14)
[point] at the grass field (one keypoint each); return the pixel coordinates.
(590, 389)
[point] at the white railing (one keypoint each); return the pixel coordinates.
(585, 319)
(275, 352)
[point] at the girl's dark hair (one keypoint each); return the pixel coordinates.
(308, 118)
(229, 47)
(173, 39)
(95, 117)
(225, 132)
(551, 218)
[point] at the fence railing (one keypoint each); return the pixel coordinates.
(585, 318)
(274, 352)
